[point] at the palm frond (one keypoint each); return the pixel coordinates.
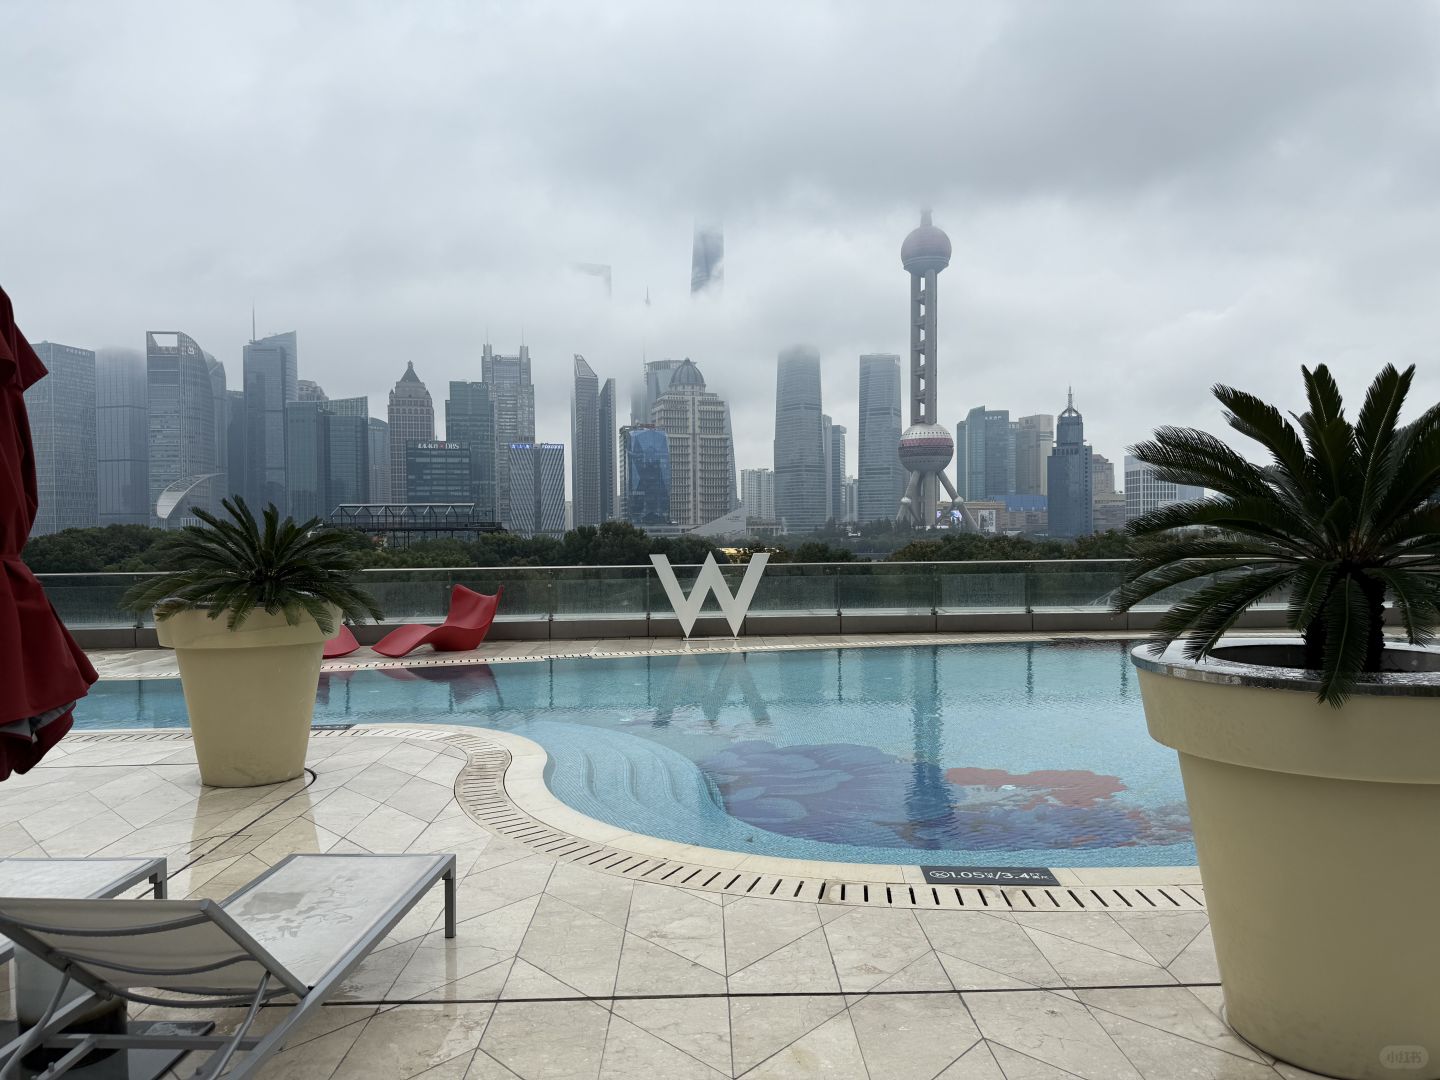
(1342, 516)
(1348, 622)
(231, 565)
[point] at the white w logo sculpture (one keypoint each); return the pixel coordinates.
(687, 608)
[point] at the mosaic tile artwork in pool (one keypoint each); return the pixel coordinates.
(1031, 754)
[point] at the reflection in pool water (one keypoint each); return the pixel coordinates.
(1021, 753)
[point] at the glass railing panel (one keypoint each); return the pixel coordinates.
(996, 591)
(801, 589)
(617, 592)
(1083, 589)
(912, 589)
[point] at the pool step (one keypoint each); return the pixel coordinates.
(481, 792)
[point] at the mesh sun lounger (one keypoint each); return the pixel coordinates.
(76, 879)
(296, 930)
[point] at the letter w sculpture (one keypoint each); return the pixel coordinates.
(687, 608)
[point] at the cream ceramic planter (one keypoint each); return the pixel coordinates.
(250, 693)
(1318, 836)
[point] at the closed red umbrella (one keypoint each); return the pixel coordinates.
(42, 671)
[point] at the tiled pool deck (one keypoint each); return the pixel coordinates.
(564, 970)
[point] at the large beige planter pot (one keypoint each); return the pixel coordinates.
(1318, 836)
(250, 693)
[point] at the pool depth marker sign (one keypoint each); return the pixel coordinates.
(734, 608)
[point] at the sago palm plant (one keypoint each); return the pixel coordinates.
(1341, 518)
(230, 566)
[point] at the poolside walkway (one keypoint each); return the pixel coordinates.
(160, 663)
(563, 971)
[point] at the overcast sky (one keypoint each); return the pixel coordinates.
(1144, 198)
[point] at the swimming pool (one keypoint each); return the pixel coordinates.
(1003, 754)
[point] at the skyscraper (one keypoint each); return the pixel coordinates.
(585, 445)
(1034, 437)
(412, 419)
(989, 454)
(702, 456)
(439, 471)
(1103, 471)
(122, 437)
(329, 455)
(308, 390)
(801, 483)
(836, 463)
(645, 475)
(757, 494)
(881, 476)
(537, 488)
(220, 404)
(608, 448)
(655, 379)
(184, 458)
(268, 375)
(1071, 494)
(513, 393)
(1144, 491)
(926, 446)
(470, 421)
(707, 258)
(236, 441)
(379, 461)
(62, 431)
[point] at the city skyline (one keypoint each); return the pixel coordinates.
(1096, 235)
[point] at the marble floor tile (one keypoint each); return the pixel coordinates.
(632, 1052)
(977, 1063)
(761, 1027)
(1178, 1011)
(912, 1037)
(602, 895)
(559, 1041)
(804, 966)
(1085, 965)
(755, 928)
(1053, 1030)
(871, 944)
(683, 922)
(574, 946)
(406, 1040)
(1161, 1055)
(995, 944)
(830, 1050)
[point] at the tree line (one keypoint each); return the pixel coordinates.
(113, 548)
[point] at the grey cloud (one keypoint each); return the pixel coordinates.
(1144, 198)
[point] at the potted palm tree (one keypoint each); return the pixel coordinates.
(1311, 764)
(248, 614)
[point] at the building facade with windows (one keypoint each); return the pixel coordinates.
(513, 393)
(801, 484)
(470, 419)
(1144, 491)
(122, 438)
(644, 465)
(411, 417)
(184, 455)
(702, 456)
(1071, 477)
(880, 475)
(537, 488)
(62, 432)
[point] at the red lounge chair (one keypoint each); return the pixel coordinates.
(342, 644)
(471, 614)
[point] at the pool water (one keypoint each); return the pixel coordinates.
(1004, 754)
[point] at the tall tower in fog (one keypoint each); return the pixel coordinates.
(927, 446)
(707, 259)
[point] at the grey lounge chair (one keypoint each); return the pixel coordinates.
(76, 879)
(296, 930)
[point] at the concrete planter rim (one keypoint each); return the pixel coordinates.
(1225, 672)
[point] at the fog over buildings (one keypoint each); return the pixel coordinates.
(1123, 220)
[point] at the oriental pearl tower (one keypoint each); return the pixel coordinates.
(927, 446)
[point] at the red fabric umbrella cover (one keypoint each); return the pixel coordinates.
(42, 671)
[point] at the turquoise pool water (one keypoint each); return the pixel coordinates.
(1005, 754)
